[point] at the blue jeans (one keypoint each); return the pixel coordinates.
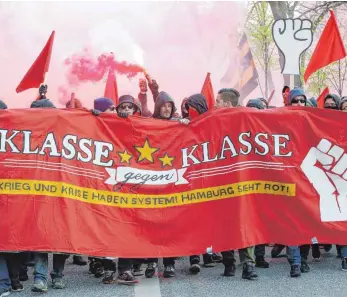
(293, 255)
(41, 267)
(5, 282)
(344, 251)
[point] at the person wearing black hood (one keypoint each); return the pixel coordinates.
(164, 109)
(41, 259)
(332, 101)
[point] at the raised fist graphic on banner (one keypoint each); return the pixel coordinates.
(292, 37)
(325, 166)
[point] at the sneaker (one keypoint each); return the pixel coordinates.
(304, 267)
(295, 271)
(276, 250)
(169, 271)
(126, 278)
(39, 286)
(137, 270)
(316, 252)
(248, 272)
(261, 263)
(194, 268)
(328, 247)
(150, 270)
(98, 270)
(229, 270)
(4, 292)
(57, 283)
(16, 286)
(344, 264)
(78, 260)
(108, 278)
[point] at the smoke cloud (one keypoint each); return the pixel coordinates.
(176, 42)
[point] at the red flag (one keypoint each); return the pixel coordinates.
(329, 48)
(36, 74)
(207, 91)
(320, 99)
(111, 89)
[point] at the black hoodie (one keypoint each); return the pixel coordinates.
(198, 102)
(162, 98)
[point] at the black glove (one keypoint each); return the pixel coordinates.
(123, 115)
(95, 112)
(43, 91)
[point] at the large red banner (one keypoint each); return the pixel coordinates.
(106, 186)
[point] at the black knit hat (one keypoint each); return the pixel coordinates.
(42, 103)
(3, 105)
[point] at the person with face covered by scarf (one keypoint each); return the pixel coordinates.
(126, 107)
(332, 101)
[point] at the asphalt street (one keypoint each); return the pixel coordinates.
(325, 279)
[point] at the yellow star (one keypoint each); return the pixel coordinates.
(166, 160)
(125, 157)
(146, 152)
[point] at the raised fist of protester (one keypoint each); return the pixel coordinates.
(95, 112)
(143, 85)
(184, 121)
(325, 166)
(292, 37)
(43, 91)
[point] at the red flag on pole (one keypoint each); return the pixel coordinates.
(329, 48)
(36, 74)
(207, 91)
(320, 99)
(111, 89)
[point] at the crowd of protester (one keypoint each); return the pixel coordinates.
(14, 266)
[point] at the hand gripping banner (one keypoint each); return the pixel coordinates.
(105, 186)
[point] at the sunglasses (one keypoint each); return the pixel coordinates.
(126, 106)
(111, 108)
(295, 101)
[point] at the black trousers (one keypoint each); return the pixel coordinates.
(166, 261)
(259, 250)
(195, 259)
